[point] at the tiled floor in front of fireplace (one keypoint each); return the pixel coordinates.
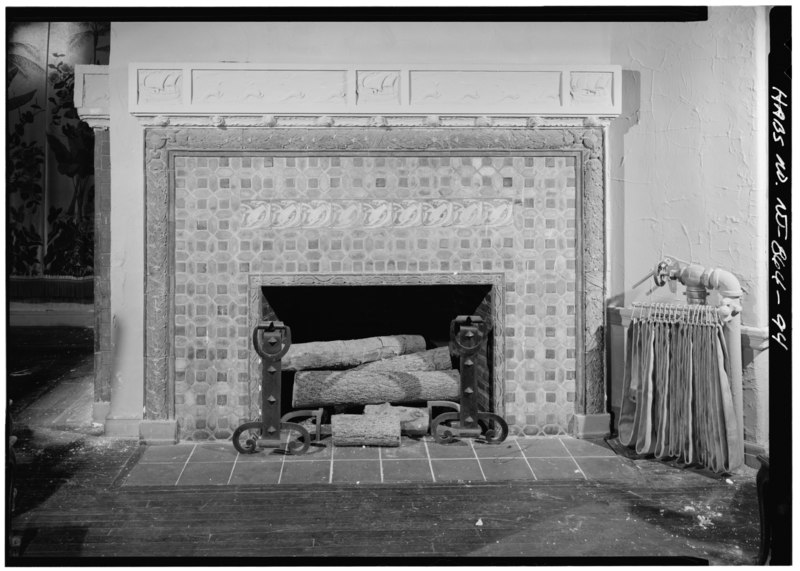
(415, 461)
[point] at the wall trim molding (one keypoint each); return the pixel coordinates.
(322, 121)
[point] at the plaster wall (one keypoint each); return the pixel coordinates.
(687, 154)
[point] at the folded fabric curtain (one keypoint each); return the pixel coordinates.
(676, 396)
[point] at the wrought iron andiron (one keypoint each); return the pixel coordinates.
(468, 335)
(272, 340)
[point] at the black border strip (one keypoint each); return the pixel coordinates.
(778, 494)
(364, 14)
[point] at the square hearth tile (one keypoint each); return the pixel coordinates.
(608, 469)
(314, 472)
(555, 469)
(459, 449)
(407, 470)
(355, 453)
(542, 447)
(154, 474)
(256, 473)
(579, 447)
(314, 452)
(267, 455)
(457, 470)
(409, 448)
(175, 453)
(499, 469)
(206, 473)
(506, 449)
(214, 452)
(356, 471)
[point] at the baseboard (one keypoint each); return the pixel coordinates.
(122, 427)
(100, 412)
(591, 425)
(751, 453)
(156, 432)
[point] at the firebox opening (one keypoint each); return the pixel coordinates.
(343, 312)
(330, 313)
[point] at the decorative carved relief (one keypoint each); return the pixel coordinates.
(375, 87)
(515, 88)
(160, 86)
(592, 88)
(375, 213)
(269, 87)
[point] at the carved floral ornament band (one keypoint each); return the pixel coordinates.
(375, 213)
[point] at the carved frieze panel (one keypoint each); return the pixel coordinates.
(375, 213)
(325, 88)
(591, 88)
(377, 87)
(512, 89)
(160, 86)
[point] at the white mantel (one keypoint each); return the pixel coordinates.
(224, 89)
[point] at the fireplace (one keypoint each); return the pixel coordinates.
(239, 231)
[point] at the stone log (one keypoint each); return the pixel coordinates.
(432, 360)
(365, 430)
(414, 421)
(327, 388)
(349, 353)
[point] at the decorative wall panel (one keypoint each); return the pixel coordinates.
(515, 89)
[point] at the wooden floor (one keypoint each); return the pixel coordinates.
(78, 498)
(71, 504)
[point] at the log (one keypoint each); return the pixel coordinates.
(349, 353)
(413, 421)
(432, 360)
(365, 430)
(326, 388)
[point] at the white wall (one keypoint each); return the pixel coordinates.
(687, 154)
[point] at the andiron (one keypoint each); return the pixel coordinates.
(468, 335)
(271, 341)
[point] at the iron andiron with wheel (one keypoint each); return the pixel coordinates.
(468, 336)
(271, 341)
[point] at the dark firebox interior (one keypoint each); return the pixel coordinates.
(331, 313)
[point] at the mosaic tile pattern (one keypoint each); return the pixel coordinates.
(215, 254)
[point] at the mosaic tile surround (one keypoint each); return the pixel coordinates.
(370, 214)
